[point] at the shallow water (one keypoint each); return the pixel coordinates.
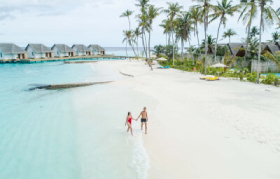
(71, 133)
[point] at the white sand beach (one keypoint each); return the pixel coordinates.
(223, 129)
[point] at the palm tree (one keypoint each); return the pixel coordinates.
(229, 33)
(268, 15)
(254, 32)
(275, 37)
(126, 37)
(210, 43)
(183, 30)
(247, 15)
(173, 10)
(206, 7)
(130, 39)
(127, 13)
(143, 4)
(223, 9)
(158, 49)
(137, 34)
(153, 12)
(196, 15)
(166, 26)
(143, 20)
(253, 46)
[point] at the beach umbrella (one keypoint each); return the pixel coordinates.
(219, 65)
(161, 59)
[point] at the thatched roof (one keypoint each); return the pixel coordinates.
(81, 47)
(39, 48)
(63, 48)
(10, 48)
(235, 49)
(272, 47)
(97, 48)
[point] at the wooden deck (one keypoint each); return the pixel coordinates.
(92, 57)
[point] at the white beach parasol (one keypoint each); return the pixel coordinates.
(219, 65)
(161, 59)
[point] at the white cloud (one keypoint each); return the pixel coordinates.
(88, 21)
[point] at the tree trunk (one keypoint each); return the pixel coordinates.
(191, 51)
(137, 47)
(260, 46)
(126, 49)
(150, 50)
(198, 41)
(182, 53)
(182, 49)
(173, 43)
(129, 22)
(217, 39)
(247, 42)
(206, 42)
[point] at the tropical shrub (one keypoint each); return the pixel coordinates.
(269, 79)
(249, 75)
(241, 76)
(252, 77)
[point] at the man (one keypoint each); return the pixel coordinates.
(144, 119)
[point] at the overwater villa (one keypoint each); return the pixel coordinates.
(81, 50)
(62, 50)
(10, 51)
(38, 51)
(97, 49)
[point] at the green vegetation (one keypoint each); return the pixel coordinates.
(180, 25)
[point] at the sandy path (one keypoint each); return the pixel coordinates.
(200, 129)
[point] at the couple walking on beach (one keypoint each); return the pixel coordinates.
(144, 120)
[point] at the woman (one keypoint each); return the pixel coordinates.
(128, 122)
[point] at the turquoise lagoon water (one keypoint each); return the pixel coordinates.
(71, 133)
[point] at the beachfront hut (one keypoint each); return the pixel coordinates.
(38, 51)
(237, 49)
(10, 51)
(62, 50)
(272, 47)
(81, 50)
(97, 49)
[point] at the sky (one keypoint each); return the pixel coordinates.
(92, 22)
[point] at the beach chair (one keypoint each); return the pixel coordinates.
(212, 79)
(206, 77)
(167, 67)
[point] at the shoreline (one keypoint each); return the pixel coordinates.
(204, 129)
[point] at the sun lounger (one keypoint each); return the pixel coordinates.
(212, 78)
(206, 77)
(167, 67)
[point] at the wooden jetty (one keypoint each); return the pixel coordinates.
(68, 85)
(91, 57)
